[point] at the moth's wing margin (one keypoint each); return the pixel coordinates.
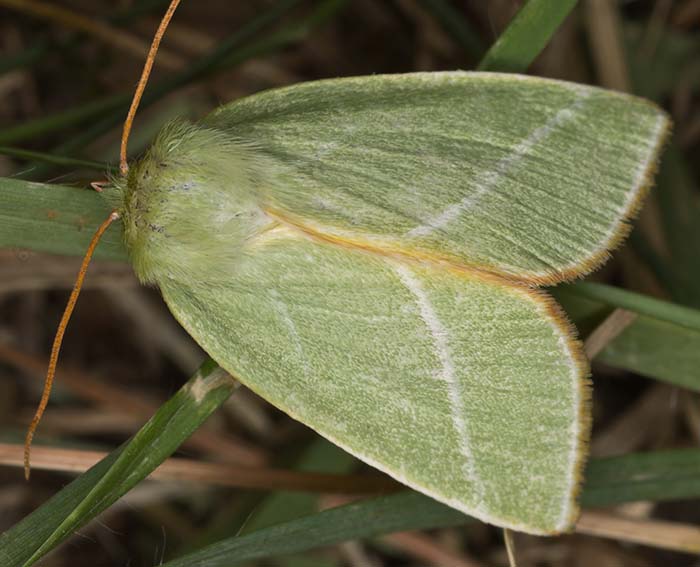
(470, 390)
(521, 176)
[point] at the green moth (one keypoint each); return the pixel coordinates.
(364, 253)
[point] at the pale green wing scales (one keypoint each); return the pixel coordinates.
(523, 176)
(463, 386)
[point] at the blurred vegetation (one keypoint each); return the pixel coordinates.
(66, 78)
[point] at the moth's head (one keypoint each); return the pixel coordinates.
(189, 205)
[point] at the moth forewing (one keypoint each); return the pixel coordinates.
(521, 176)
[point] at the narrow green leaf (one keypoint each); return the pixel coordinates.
(368, 518)
(56, 159)
(661, 475)
(101, 486)
(54, 218)
(655, 344)
(656, 476)
(33, 129)
(642, 304)
(526, 36)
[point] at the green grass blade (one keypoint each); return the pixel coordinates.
(57, 159)
(111, 478)
(659, 343)
(664, 475)
(526, 36)
(54, 218)
(642, 304)
(34, 129)
(368, 518)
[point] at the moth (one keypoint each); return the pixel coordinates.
(365, 254)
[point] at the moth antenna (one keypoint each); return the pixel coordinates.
(58, 339)
(97, 186)
(123, 165)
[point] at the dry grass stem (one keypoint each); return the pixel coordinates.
(355, 554)
(219, 474)
(657, 533)
(426, 550)
(603, 23)
(607, 331)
